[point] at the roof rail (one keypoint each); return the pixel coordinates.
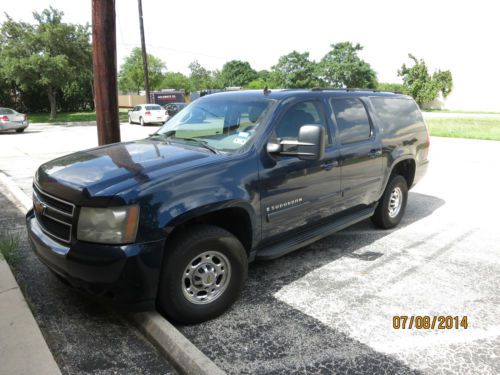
(353, 89)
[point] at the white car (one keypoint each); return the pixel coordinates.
(12, 120)
(147, 114)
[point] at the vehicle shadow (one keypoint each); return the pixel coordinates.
(262, 334)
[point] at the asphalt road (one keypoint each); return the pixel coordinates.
(328, 308)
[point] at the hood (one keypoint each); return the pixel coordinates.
(95, 172)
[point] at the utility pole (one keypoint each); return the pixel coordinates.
(104, 68)
(144, 54)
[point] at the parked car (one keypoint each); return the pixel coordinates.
(147, 114)
(174, 108)
(174, 220)
(12, 120)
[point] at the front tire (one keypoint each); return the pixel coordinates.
(203, 273)
(392, 205)
(129, 120)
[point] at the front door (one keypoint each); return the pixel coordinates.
(298, 192)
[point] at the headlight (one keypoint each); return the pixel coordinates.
(113, 225)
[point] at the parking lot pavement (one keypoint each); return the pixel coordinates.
(328, 307)
(22, 153)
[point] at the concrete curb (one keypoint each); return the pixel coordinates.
(179, 351)
(16, 191)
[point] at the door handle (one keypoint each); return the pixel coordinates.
(327, 165)
(409, 142)
(374, 153)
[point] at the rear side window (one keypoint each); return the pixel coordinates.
(398, 115)
(352, 120)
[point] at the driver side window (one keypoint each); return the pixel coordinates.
(303, 113)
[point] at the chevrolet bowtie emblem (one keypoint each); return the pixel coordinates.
(38, 206)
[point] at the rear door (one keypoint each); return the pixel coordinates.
(134, 114)
(360, 151)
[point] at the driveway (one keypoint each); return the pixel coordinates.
(329, 307)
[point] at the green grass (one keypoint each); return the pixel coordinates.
(70, 117)
(9, 247)
(460, 111)
(473, 127)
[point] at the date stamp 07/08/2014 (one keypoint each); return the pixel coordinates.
(429, 322)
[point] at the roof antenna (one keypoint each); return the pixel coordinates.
(266, 90)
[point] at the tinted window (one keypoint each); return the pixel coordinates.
(304, 113)
(352, 120)
(398, 114)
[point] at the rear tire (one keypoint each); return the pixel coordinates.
(203, 273)
(141, 120)
(20, 130)
(392, 205)
(129, 120)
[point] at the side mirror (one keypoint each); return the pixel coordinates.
(310, 144)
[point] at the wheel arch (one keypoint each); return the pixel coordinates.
(237, 218)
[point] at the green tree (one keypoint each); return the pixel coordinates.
(48, 55)
(177, 81)
(294, 70)
(237, 73)
(131, 75)
(391, 87)
(342, 67)
(423, 86)
(201, 78)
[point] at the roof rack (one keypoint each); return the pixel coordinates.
(353, 89)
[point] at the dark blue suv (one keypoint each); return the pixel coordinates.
(173, 220)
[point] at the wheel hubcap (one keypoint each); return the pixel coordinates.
(395, 202)
(206, 277)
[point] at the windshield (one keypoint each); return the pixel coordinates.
(220, 123)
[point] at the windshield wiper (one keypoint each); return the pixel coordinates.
(169, 136)
(198, 142)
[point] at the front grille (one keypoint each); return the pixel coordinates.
(54, 215)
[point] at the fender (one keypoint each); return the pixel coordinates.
(394, 161)
(214, 207)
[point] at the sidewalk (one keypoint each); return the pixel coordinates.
(23, 349)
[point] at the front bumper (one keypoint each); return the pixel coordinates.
(126, 275)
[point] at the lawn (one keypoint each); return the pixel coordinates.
(70, 117)
(465, 127)
(460, 111)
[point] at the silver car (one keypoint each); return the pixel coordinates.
(147, 114)
(12, 120)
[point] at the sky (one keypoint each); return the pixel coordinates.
(461, 36)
